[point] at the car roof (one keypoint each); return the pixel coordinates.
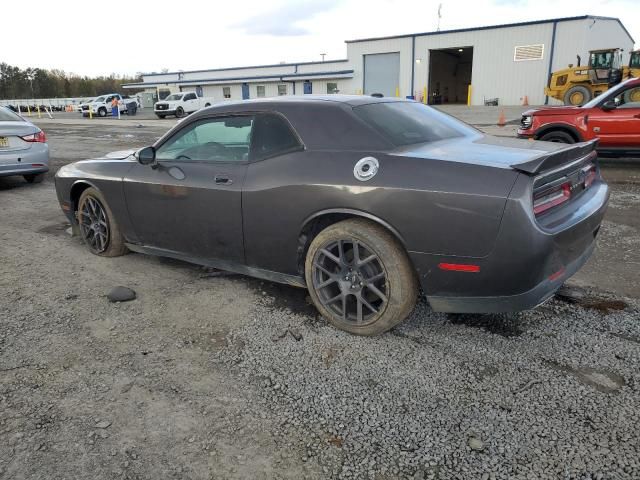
(352, 100)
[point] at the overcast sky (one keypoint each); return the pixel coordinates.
(94, 38)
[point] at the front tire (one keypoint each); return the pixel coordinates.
(102, 112)
(557, 137)
(179, 112)
(98, 227)
(34, 177)
(360, 278)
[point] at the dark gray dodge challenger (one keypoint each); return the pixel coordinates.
(361, 200)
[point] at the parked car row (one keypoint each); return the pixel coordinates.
(24, 108)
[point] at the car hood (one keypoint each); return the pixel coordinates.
(119, 155)
(561, 110)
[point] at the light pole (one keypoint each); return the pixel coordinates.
(30, 77)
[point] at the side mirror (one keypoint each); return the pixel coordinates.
(609, 105)
(147, 156)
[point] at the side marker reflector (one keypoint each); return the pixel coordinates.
(557, 275)
(459, 267)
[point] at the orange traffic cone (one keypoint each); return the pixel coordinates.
(525, 102)
(502, 121)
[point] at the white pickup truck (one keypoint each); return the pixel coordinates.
(101, 105)
(180, 104)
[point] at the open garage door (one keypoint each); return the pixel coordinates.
(382, 73)
(450, 72)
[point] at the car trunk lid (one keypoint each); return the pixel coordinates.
(558, 158)
(487, 150)
(11, 133)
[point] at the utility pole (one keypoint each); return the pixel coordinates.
(30, 77)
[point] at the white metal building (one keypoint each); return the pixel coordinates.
(507, 62)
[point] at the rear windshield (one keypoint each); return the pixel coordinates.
(406, 123)
(7, 115)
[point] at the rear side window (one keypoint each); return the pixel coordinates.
(271, 136)
(406, 123)
(7, 115)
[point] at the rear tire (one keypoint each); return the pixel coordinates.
(366, 297)
(179, 112)
(577, 95)
(34, 177)
(558, 137)
(98, 227)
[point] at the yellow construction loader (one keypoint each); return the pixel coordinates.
(578, 85)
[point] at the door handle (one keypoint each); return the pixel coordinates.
(223, 180)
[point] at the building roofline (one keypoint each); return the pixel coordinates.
(492, 27)
(236, 79)
(295, 64)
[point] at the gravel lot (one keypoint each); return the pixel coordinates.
(209, 376)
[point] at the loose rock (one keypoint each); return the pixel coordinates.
(121, 294)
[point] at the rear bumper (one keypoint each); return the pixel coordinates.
(511, 303)
(530, 261)
(22, 162)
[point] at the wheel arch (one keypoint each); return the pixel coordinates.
(318, 221)
(76, 190)
(562, 127)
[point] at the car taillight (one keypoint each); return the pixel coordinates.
(551, 197)
(38, 137)
(590, 175)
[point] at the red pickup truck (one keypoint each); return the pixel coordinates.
(613, 118)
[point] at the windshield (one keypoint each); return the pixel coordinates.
(609, 94)
(175, 96)
(601, 59)
(635, 60)
(406, 123)
(99, 99)
(7, 115)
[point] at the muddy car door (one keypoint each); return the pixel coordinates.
(189, 199)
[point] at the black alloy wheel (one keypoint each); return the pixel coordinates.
(350, 281)
(94, 225)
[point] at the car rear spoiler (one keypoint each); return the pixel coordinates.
(551, 160)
